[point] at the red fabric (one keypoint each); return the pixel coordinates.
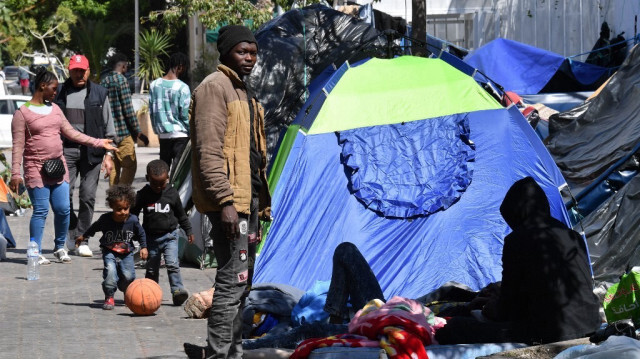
(511, 97)
(402, 327)
(400, 337)
(400, 344)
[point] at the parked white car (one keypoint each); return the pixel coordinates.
(8, 105)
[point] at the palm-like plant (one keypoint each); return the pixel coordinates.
(152, 45)
(94, 38)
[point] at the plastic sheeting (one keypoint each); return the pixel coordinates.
(613, 233)
(559, 101)
(294, 49)
(409, 169)
(525, 69)
(589, 139)
(314, 211)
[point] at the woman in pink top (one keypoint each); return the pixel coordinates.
(36, 129)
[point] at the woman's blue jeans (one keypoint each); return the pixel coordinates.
(58, 196)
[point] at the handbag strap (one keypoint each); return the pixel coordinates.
(30, 135)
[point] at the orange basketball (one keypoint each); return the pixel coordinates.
(143, 296)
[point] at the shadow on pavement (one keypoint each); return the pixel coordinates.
(95, 305)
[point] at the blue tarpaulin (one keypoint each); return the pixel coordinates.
(526, 70)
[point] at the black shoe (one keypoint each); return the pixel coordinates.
(622, 327)
(180, 296)
(194, 351)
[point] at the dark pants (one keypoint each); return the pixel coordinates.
(232, 278)
(351, 277)
(171, 149)
(78, 165)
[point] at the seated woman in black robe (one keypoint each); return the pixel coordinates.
(547, 291)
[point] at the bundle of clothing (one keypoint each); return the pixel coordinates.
(402, 327)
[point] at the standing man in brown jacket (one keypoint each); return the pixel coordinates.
(229, 180)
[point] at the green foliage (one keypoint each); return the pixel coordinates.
(14, 37)
(93, 38)
(152, 45)
(206, 64)
(28, 26)
(88, 8)
(213, 13)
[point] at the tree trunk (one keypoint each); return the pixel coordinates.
(419, 27)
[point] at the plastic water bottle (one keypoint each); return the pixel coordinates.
(33, 267)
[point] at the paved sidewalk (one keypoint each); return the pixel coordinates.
(61, 316)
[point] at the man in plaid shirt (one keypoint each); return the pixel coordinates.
(124, 120)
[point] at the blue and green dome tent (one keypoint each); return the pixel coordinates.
(409, 159)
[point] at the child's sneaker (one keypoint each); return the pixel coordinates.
(109, 303)
(62, 256)
(43, 261)
(180, 296)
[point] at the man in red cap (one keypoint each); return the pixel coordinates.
(86, 106)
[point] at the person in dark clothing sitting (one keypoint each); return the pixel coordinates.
(547, 292)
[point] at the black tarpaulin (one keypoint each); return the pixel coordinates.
(613, 233)
(587, 140)
(294, 49)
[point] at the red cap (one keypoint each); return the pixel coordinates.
(78, 62)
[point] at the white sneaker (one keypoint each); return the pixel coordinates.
(62, 256)
(84, 251)
(43, 261)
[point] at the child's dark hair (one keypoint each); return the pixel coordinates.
(157, 168)
(121, 192)
(45, 77)
(179, 59)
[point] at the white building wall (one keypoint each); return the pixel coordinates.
(566, 27)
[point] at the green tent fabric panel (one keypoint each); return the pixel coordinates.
(375, 93)
(212, 34)
(281, 156)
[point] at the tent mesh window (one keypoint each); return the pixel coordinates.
(409, 169)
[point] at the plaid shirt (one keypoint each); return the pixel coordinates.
(124, 118)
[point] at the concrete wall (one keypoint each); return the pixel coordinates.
(566, 27)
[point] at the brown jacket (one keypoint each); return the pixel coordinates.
(220, 128)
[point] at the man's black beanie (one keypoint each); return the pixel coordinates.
(231, 35)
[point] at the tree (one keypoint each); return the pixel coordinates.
(419, 27)
(93, 38)
(56, 27)
(29, 26)
(152, 46)
(213, 13)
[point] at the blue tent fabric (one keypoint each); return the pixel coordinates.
(314, 211)
(526, 69)
(409, 169)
